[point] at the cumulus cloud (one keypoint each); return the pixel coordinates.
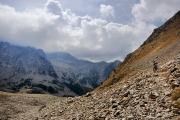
(54, 28)
(54, 7)
(106, 10)
(153, 10)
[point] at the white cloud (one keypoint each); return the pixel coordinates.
(153, 10)
(54, 28)
(106, 10)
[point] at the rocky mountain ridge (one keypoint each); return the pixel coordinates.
(27, 69)
(79, 75)
(30, 70)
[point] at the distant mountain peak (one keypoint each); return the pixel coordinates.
(62, 56)
(28, 68)
(80, 75)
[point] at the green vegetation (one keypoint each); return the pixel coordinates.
(52, 90)
(43, 87)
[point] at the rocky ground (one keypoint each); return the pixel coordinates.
(22, 106)
(146, 95)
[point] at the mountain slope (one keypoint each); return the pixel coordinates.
(162, 45)
(80, 75)
(23, 68)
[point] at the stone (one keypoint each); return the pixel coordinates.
(167, 93)
(70, 101)
(159, 115)
(112, 100)
(153, 95)
(126, 94)
(177, 74)
(42, 107)
(130, 117)
(114, 106)
(91, 117)
(117, 113)
(36, 118)
(87, 94)
(175, 84)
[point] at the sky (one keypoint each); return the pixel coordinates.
(97, 30)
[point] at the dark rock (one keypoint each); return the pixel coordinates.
(117, 113)
(114, 106)
(153, 95)
(87, 94)
(126, 94)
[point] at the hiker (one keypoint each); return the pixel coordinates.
(155, 65)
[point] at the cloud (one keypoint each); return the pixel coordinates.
(106, 10)
(54, 7)
(54, 28)
(122, 8)
(153, 10)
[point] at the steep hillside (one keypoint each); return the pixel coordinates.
(27, 69)
(80, 76)
(161, 46)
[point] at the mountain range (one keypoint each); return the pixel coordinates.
(80, 76)
(31, 70)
